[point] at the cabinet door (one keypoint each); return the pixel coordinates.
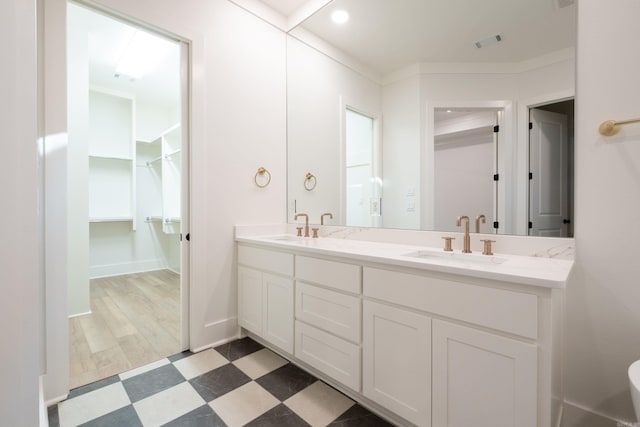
(397, 361)
(481, 379)
(250, 299)
(277, 320)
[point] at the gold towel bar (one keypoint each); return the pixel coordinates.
(611, 127)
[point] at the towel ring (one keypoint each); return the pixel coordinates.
(310, 181)
(262, 171)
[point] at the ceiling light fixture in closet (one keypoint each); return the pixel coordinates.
(143, 52)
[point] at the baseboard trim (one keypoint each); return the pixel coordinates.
(71, 316)
(108, 270)
(576, 415)
(218, 333)
(42, 408)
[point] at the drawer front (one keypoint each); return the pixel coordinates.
(266, 260)
(345, 277)
(335, 357)
(503, 310)
(331, 311)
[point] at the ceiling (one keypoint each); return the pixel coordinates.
(107, 39)
(387, 35)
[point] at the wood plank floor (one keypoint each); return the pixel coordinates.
(134, 320)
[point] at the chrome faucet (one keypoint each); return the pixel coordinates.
(478, 219)
(329, 214)
(306, 222)
(466, 247)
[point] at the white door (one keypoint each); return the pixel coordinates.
(396, 361)
(549, 179)
(481, 379)
(277, 311)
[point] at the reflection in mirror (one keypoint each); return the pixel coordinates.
(465, 166)
(367, 112)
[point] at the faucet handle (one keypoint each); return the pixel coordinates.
(299, 234)
(315, 232)
(487, 246)
(447, 244)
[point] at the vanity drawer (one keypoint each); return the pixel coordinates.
(266, 260)
(331, 311)
(338, 275)
(331, 355)
(499, 309)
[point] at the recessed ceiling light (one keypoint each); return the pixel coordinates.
(488, 41)
(448, 111)
(340, 16)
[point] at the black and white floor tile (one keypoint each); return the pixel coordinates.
(237, 384)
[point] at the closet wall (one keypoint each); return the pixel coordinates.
(134, 208)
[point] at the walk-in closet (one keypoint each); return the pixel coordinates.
(125, 170)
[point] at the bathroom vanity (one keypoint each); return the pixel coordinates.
(420, 336)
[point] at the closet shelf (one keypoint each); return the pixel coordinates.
(99, 156)
(111, 219)
(160, 219)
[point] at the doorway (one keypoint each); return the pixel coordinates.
(363, 191)
(128, 195)
(465, 167)
(551, 147)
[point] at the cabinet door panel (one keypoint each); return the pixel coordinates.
(482, 379)
(397, 361)
(250, 299)
(277, 293)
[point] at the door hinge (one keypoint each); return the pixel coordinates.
(530, 175)
(530, 125)
(496, 177)
(530, 224)
(496, 129)
(496, 224)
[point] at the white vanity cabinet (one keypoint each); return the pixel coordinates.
(328, 312)
(265, 295)
(482, 379)
(423, 347)
(396, 361)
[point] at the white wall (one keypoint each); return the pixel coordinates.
(603, 296)
(318, 88)
(238, 124)
(401, 176)
(19, 255)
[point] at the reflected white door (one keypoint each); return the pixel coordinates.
(360, 206)
(548, 163)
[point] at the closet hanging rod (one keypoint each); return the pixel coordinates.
(152, 161)
(171, 220)
(611, 127)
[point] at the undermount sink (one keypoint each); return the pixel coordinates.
(456, 257)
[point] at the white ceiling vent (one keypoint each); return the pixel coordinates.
(488, 41)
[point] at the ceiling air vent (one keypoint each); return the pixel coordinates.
(488, 41)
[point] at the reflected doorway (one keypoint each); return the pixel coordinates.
(465, 166)
(551, 148)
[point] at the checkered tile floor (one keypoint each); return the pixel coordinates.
(236, 384)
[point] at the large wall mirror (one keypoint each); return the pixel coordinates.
(413, 112)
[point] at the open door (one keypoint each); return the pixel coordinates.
(549, 175)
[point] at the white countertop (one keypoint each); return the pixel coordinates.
(526, 270)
